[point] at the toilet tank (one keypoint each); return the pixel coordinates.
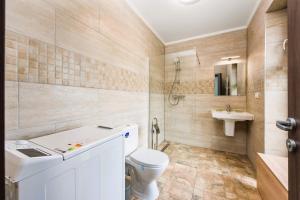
(131, 138)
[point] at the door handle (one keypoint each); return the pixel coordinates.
(287, 125)
(291, 145)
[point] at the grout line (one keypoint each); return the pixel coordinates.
(164, 95)
(47, 69)
(99, 18)
(28, 57)
(55, 46)
(18, 82)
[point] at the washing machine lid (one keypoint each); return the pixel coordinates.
(149, 158)
(76, 141)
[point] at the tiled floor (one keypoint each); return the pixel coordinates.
(196, 173)
(201, 174)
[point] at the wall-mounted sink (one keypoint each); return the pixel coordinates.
(230, 118)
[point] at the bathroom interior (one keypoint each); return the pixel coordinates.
(193, 87)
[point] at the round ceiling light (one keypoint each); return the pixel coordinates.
(188, 2)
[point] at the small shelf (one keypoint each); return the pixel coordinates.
(277, 5)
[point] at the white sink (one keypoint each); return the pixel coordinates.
(230, 118)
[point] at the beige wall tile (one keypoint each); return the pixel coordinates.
(255, 80)
(75, 36)
(275, 140)
(276, 26)
(43, 107)
(34, 18)
(11, 105)
(11, 50)
(85, 11)
(29, 133)
(276, 83)
(130, 33)
(276, 107)
(42, 104)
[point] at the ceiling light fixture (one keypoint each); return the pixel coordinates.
(188, 2)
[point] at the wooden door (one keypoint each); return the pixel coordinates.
(294, 96)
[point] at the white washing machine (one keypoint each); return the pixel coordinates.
(80, 164)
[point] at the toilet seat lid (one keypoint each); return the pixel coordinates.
(149, 157)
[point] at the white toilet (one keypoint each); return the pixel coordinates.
(146, 165)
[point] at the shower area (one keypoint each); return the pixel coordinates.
(182, 95)
(178, 71)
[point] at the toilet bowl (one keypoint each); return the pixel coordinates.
(146, 165)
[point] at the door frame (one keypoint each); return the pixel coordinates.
(2, 92)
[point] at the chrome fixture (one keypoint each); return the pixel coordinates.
(287, 125)
(291, 145)
(228, 108)
(173, 98)
(155, 130)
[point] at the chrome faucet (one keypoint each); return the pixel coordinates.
(228, 108)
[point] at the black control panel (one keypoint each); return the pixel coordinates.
(33, 152)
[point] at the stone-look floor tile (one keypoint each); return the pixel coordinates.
(198, 174)
(210, 196)
(185, 172)
(254, 196)
(198, 194)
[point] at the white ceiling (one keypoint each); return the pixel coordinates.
(172, 21)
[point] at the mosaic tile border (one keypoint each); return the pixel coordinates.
(193, 87)
(31, 60)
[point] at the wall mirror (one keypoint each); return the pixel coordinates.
(230, 79)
